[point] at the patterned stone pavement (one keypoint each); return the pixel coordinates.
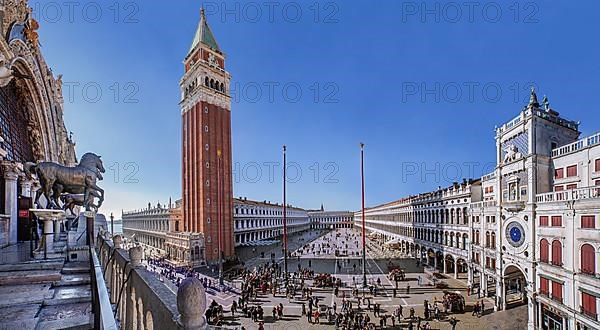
(325, 262)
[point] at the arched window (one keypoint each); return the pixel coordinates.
(487, 239)
(556, 253)
(464, 241)
(206, 82)
(477, 237)
(544, 245)
(493, 241)
(588, 259)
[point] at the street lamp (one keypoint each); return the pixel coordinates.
(112, 224)
(362, 178)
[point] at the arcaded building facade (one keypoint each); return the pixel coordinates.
(321, 219)
(527, 233)
(263, 221)
(206, 154)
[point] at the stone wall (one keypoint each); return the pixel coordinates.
(143, 301)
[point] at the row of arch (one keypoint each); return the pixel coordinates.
(451, 239)
(490, 238)
(447, 216)
(208, 82)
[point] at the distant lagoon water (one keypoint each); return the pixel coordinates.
(118, 226)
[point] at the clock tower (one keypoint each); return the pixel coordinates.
(524, 161)
(206, 126)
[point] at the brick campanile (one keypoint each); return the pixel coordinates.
(206, 126)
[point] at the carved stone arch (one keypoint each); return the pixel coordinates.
(36, 111)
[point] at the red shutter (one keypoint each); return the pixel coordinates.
(556, 253)
(588, 304)
(557, 291)
(588, 259)
(588, 221)
(544, 286)
(544, 250)
(572, 186)
(559, 173)
(572, 171)
(544, 221)
(556, 221)
(559, 188)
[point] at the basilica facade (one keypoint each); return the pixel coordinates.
(31, 118)
(527, 233)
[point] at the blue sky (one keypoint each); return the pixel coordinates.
(421, 83)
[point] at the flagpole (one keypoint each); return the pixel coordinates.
(364, 251)
(285, 251)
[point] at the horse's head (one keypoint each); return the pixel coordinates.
(92, 161)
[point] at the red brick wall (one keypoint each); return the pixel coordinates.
(196, 192)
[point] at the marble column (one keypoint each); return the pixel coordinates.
(435, 261)
(56, 230)
(26, 185)
(503, 293)
(444, 267)
(48, 237)
(499, 303)
(10, 198)
(456, 269)
(483, 284)
(470, 275)
(531, 311)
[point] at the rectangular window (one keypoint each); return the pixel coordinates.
(588, 221)
(572, 171)
(559, 188)
(597, 167)
(559, 173)
(544, 221)
(556, 220)
(544, 286)
(487, 262)
(493, 263)
(572, 186)
(557, 291)
(588, 305)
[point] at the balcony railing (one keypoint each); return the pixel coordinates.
(577, 145)
(569, 195)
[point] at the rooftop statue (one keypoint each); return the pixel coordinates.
(56, 180)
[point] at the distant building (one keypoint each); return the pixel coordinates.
(148, 226)
(321, 219)
(263, 221)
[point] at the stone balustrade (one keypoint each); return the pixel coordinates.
(142, 301)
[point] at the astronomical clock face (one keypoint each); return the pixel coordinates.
(515, 234)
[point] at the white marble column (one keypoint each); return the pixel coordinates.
(56, 230)
(456, 268)
(10, 201)
(48, 237)
(25, 186)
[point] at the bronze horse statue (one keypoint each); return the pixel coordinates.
(56, 179)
